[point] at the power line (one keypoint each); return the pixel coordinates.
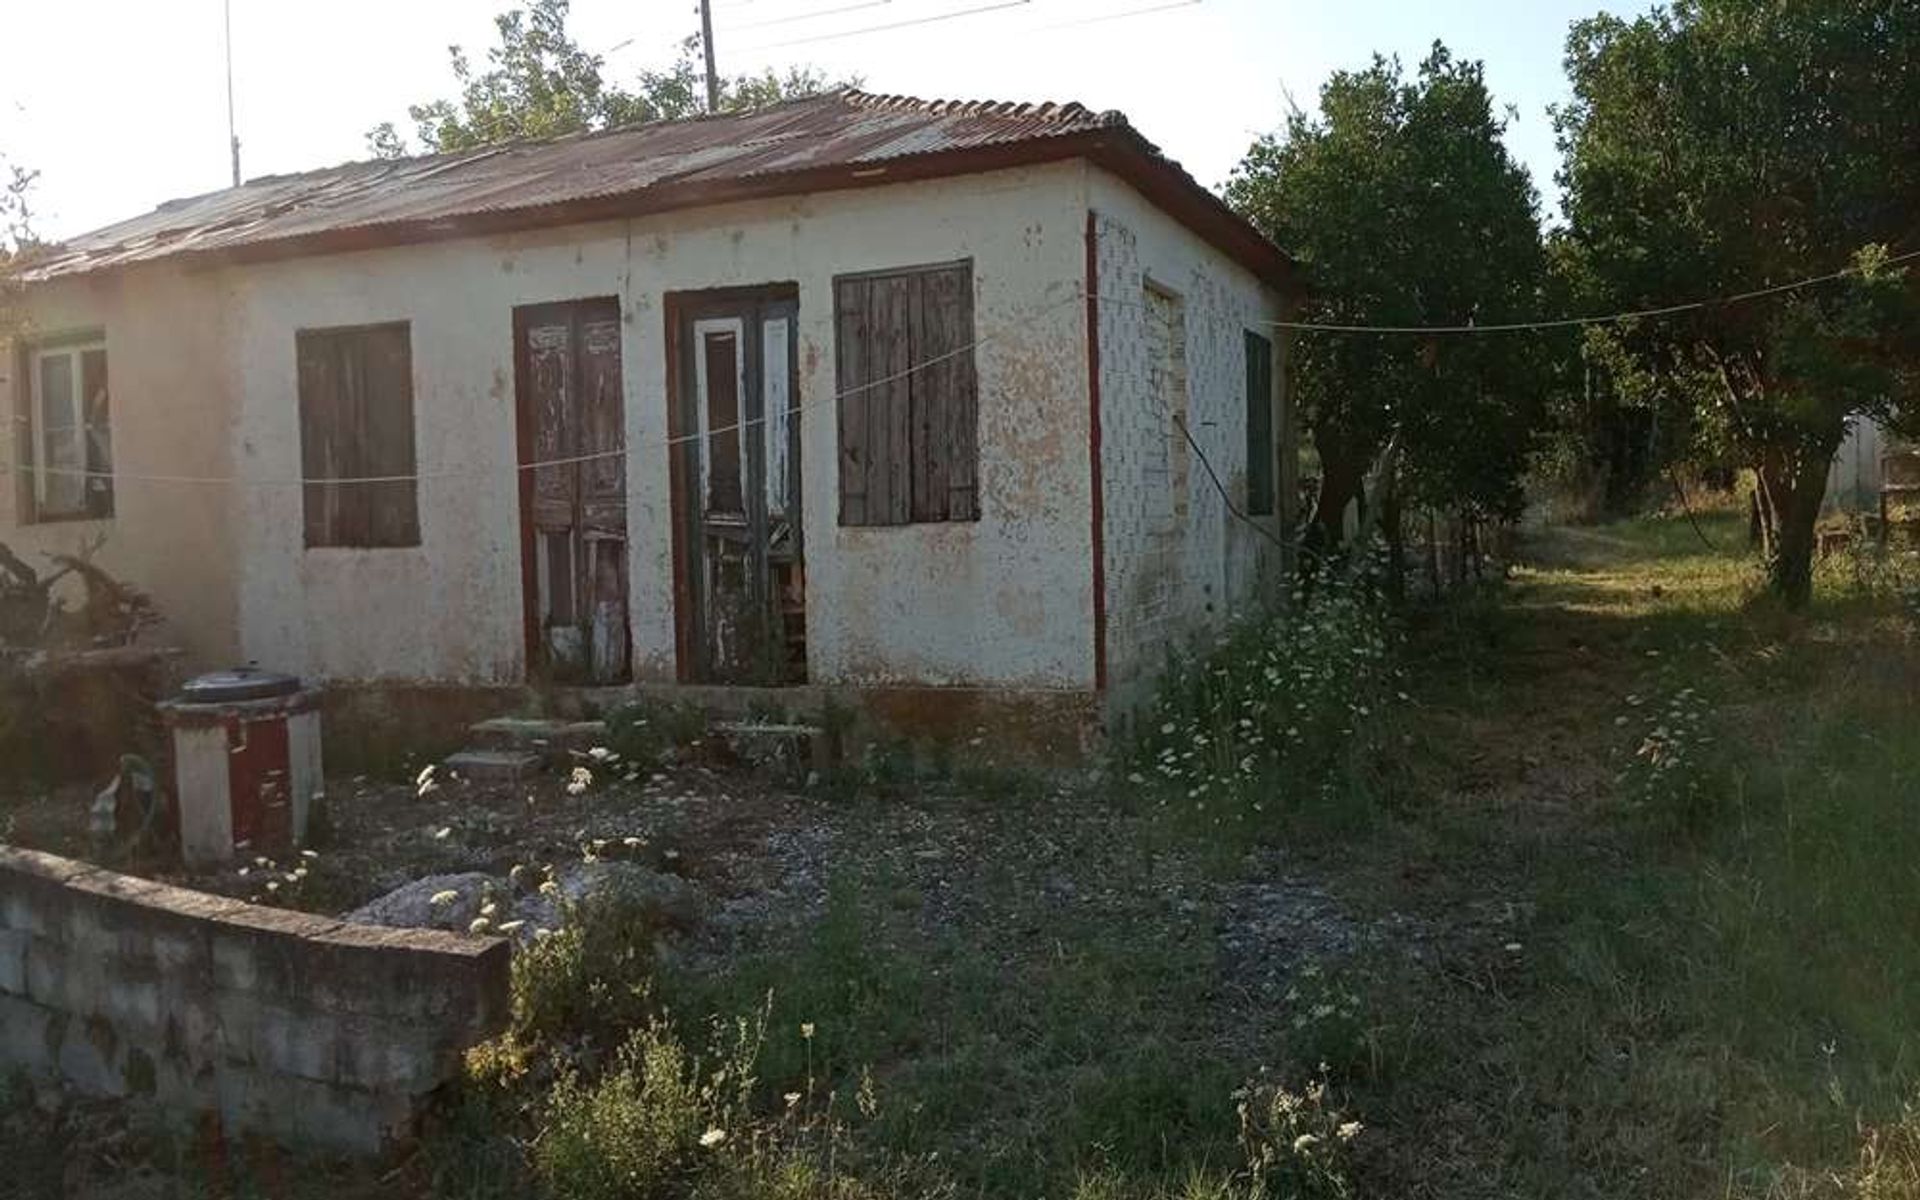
(916, 21)
(1119, 16)
(808, 16)
(1572, 322)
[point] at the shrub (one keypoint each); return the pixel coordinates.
(591, 978)
(1278, 713)
(647, 734)
(1298, 1144)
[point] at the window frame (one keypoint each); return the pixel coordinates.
(313, 486)
(1175, 452)
(34, 456)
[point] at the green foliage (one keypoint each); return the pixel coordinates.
(646, 734)
(1282, 715)
(1670, 772)
(1403, 207)
(16, 241)
(591, 979)
(640, 1127)
(1725, 145)
(539, 83)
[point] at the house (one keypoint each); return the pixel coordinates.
(924, 399)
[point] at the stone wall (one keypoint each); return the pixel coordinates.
(313, 1032)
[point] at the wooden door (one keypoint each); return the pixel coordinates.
(741, 571)
(573, 490)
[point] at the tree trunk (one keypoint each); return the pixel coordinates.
(1342, 480)
(1790, 496)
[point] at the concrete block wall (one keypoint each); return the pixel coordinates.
(313, 1032)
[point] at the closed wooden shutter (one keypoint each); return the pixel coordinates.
(1260, 446)
(908, 409)
(356, 425)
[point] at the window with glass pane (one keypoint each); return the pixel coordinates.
(70, 451)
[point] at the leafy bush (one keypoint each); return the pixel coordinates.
(590, 978)
(646, 734)
(643, 1124)
(1281, 712)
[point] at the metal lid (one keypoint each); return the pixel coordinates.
(241, 683)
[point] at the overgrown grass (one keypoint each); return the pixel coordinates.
(1718, 989)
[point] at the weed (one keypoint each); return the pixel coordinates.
(647, 734)
(1282, 714)
(591, 978)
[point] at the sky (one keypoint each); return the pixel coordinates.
(121, 104)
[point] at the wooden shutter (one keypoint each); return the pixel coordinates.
(850, 376)
(356, 423)
(1260, 448)
(908, 409)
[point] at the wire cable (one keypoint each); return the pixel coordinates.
(907, 24)
(1572, 322)
(808, 16)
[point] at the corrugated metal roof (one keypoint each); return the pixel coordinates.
(804, 143)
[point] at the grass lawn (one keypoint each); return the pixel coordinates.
(1628, 907)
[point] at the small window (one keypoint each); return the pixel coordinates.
(68, 452)
(1260, 446)
(356, 426)
(1167, 454)
(908, 406)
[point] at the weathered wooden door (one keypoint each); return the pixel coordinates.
(573, 489)
(742, 583)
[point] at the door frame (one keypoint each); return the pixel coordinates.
(532, 635)
(679, 307)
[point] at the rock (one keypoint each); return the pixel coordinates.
(411, 906)
(673, 898)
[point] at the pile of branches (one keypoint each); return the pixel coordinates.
(33, 617)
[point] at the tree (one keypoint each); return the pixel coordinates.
(1722, 146)
(539, 83)
(1403, 208)
(16, 242)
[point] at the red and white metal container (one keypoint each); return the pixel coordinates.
(246, 763)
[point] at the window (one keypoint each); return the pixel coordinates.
(1260, 457)
(356, 426)
(1166, 460)
(903, 345)
(69, 448)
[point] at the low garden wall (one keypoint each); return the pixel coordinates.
(305, 1029)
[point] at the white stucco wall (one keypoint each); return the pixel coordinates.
(1164, 583)
(168, 366)
(1005, 600)
(204, 384)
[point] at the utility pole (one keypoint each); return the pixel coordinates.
(233, 137)
(706, 44)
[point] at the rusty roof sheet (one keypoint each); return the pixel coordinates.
(524, 184)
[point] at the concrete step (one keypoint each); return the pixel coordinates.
(761, 741)
(496, 766)
(536, 733)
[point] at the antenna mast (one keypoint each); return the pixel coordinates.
(233, 137)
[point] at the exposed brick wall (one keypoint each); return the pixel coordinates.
(305, 1029)
(1173, 321)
